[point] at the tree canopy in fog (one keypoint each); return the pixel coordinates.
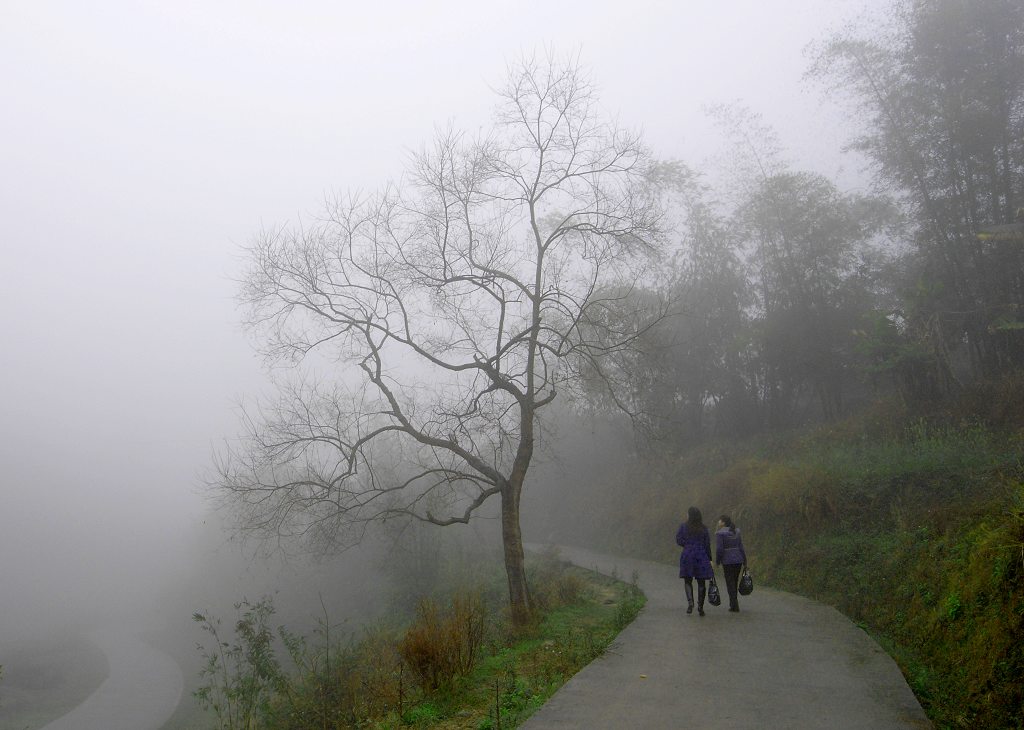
(454, 307)
(796, 299)
(768, 297)
(940, 94)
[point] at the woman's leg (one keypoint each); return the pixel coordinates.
(701, 592)
(689, 594)
(732, 577)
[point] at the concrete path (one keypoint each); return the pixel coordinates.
(141, 693)
(781, 662)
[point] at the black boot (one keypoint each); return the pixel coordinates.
(701, 592)
(689, 596)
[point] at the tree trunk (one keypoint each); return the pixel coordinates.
(515, 565)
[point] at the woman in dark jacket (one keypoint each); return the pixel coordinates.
(729, 553)
(695, 560)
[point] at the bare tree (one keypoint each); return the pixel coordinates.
(460, 304)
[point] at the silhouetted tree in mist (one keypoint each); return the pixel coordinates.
(454, 308)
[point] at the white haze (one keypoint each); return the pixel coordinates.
(142, 143)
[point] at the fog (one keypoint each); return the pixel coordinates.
(143, 143)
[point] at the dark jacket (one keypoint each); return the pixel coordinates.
(729, 548)
(695, 560)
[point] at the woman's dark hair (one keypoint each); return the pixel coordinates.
(727, 521)
(694, 520)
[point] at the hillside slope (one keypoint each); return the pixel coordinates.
(909, 523)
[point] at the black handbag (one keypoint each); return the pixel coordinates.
(746, 586)
(714, 597)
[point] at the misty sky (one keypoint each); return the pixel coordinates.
(142, 143)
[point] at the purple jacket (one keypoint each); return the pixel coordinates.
(695, 560)
(729, 548)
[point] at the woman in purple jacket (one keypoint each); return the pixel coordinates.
(695, 560)
(729, 553)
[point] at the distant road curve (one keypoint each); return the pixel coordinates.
(782, 662)
(141, 693)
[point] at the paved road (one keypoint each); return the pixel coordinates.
(782, 662)
(141, 693)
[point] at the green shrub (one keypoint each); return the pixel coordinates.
(239, 676)
(512, 697)
(424, 713)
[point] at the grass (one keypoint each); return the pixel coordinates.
(919, 539)
(912, 525)
(946, 601)
(457, 664)
(45, 679)
(522, 670)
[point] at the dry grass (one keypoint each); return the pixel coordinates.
(443, 644)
